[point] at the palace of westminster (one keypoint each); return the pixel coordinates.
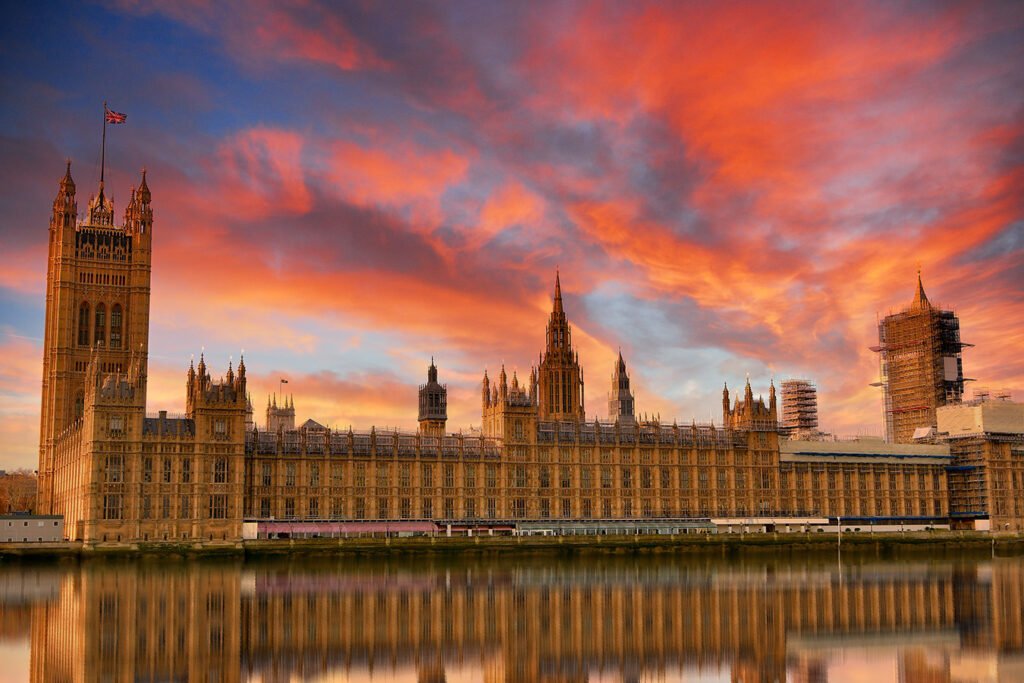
(538, 464)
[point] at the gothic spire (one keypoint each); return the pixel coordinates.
(920, 298)
(144, 194)
(67, 184)
(558, 294)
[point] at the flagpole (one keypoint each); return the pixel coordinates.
(103, 147)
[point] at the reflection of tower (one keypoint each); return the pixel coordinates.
(97, 308)
(620, 399)
(431, 673)
(124, 623)
(921, 368)
(433, 404)
(924, 665)
(809, 669)
(559, 375)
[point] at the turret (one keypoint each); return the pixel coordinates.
(433, 415)
(138, 215)
(64, 206)
(620, 398)
(725, 404)
(62, 221)
(485, 392)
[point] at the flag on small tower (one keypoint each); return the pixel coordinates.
(114, 117)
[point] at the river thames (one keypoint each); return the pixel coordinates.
(602, 618)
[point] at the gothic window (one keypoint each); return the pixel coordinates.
(218, 508)
(79, 405)
(101, 325)
(220, 471)
(186, 471)
(115, 469)
(83, 324)
(115, 326)
(113, 504)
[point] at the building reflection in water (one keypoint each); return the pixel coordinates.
(602, 619)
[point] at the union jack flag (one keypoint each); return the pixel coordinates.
(115, 117)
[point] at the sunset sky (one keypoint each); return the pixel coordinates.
(345, 190)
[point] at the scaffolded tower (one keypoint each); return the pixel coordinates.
(799, 408)
(920, 365)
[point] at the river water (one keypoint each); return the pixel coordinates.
(604, 618)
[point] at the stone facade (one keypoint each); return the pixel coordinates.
(986, 440)
(118, 475)
(113, 473)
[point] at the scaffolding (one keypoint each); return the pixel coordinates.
(920, 366)
(799, 407)
(968, 491)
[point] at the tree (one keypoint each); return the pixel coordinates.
(18, 491)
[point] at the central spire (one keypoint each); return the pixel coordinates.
(560, 380)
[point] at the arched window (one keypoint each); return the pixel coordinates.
(79, 405)
(115, 326)
(83, 324)
(100, 334)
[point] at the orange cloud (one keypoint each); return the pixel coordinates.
(256, 173)
(378, 176)
(512, 204)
